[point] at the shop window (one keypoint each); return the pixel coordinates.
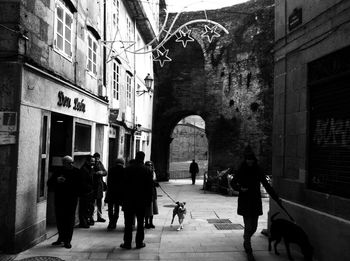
(92, 54)
(82, 138)
(63, 30)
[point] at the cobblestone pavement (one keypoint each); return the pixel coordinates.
(199, 240)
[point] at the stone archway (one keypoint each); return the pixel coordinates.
(227, 82)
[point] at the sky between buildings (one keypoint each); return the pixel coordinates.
(194, 5)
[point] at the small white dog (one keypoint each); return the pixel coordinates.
(180, 211)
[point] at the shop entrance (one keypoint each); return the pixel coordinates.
(60, 145)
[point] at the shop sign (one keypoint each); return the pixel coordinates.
(295, 19)
(65, 101)
(8, 121)
(7, 138)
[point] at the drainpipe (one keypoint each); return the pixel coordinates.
(76, 46)
(134, 90)
(104, 46)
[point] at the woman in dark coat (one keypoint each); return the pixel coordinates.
(247, 181)
(100, 172)
(153, 208)
(114, 192)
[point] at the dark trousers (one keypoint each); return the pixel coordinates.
(129, 217)
(65, 218)
(193, 176)
(250, 226)
(113, 213)
(86, 209)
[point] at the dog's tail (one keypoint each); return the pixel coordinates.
(273, 216)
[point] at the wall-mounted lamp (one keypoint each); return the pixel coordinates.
(148, 82)
(137, 127)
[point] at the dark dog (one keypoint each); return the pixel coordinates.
(180, 212)
(291, 233)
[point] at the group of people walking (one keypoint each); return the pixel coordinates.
(131, 188)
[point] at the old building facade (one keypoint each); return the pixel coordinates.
(130, 26)
(60, 78)
(311, 121)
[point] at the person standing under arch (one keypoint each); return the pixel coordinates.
(194, 170)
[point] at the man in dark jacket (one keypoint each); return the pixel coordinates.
(86, 200)
(113, 197)
(137, 195)
(247, 181)
(65, 184)
(194, 170)
(100, 172)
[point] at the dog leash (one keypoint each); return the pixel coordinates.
(166, 193)
(279, 203)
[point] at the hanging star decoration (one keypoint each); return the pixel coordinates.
(184, 38)
(210, 33)
(162, 57)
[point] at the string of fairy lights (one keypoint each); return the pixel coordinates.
(182, 33)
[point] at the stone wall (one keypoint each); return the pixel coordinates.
(189, 142)
(227, 82)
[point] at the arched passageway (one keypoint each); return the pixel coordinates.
(227, 82)
(189, 142)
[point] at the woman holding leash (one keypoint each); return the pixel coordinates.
(153, 208)
(247, 181)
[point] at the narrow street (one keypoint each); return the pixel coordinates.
(199, 240)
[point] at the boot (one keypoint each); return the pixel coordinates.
(151, 222)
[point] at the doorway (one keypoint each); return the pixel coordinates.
(60, 145)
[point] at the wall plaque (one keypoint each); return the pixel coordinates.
(295, 19)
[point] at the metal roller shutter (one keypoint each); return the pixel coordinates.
(329, 129)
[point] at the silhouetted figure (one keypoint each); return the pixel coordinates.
(65, 184)
(153, 208)
(194, 170)
(114, 192)
(100, 172)
(137, 195)
(86, 200)
(247, 181)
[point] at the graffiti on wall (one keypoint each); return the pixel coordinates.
(332, 131)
